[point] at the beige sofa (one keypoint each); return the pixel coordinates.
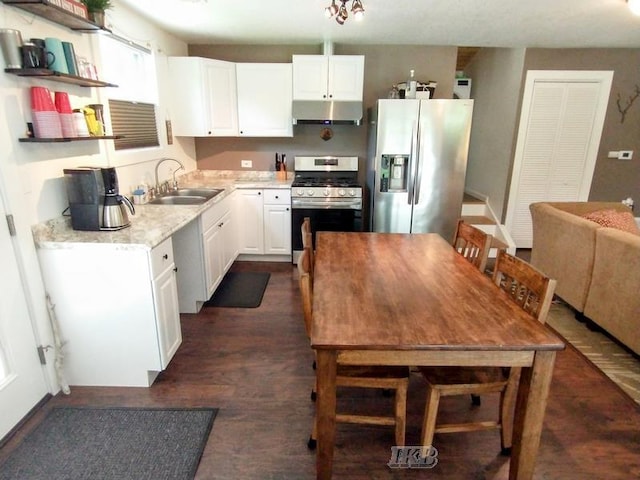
(597, 268)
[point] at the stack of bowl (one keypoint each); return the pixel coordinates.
(66, 114)
(46, 120)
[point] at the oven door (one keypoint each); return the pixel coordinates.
(325, 219)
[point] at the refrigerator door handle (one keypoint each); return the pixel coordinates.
(418, 176)
(413, 160)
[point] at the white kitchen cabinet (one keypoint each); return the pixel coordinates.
(250, 221)
(277, 222)
(328, 77)
(165, 295)
(205, 249)
(203, 93)
(217, 228)
(264, 99)
(116, 306)
(264, 221)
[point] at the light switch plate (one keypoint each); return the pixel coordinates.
(625, 154)
(246, 163)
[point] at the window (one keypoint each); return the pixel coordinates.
(132, 105)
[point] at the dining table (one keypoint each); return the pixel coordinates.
(412, 300)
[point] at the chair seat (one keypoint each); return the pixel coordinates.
(464, 375)
(357, 371)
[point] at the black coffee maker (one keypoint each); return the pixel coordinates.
(94, 199)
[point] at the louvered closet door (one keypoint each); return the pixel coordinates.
(558, 141)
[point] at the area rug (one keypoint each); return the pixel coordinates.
(112, 444)
(240, 290)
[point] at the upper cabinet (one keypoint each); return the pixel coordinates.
(214, 98)
(264, 99)
(328, 77)
(203, 96)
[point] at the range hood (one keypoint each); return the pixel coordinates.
(327, 112)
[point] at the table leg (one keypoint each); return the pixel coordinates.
(326, 411)
(529, 415)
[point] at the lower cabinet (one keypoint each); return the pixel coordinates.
(205, 249)
(218, 242)
(277, 222)
(165, 294)
(116, 308)
(265, 221)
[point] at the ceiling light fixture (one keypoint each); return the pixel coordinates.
(341, 12)
(634, 6)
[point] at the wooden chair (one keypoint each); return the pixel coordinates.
(379, 377)
(307, 243)
(533, 292)
(473, 244)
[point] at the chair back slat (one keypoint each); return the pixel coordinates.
(306, 289)
(473, 244)
(307, 243)
(527, 286)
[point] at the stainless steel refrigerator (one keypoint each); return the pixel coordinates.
(416, 164)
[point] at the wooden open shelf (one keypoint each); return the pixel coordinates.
(47, 74)
(51, 12)
(67, 139)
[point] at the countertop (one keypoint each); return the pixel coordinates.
(152, 224)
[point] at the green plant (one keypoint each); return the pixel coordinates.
(97, 5)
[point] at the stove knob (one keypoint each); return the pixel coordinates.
(352, 192)
(341, 192)
(300, 192)
(326, 192)
(310, 192)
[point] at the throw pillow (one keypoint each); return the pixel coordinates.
(614, 219)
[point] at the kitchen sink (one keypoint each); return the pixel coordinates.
(186, 196)
(179, 200)
(197, 192)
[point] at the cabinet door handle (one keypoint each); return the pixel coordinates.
(165, 256)
(259, 193)
(175, 269)
(287, 209)
(221, 224)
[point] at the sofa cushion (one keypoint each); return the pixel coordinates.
(614, 219)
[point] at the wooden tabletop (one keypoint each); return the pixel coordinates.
(412, 292)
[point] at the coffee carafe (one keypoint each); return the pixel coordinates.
(114, 213)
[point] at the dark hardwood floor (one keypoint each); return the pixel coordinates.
(255, 366)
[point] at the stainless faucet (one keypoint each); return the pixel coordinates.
(175, 183)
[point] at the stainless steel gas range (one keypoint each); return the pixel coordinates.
(326, 190)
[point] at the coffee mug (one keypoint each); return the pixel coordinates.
(34, 56)
(59, 63)
(50, 58)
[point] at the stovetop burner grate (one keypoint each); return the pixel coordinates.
(343, 182)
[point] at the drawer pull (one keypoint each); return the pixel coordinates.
(165, 256)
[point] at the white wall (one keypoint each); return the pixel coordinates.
(31, 184)
(497, 76)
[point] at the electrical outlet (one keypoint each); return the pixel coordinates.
(625, 154)
(246, 163)
(613, 154)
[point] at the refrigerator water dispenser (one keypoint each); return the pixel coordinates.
(393, 171)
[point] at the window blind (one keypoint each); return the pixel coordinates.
(136, 122)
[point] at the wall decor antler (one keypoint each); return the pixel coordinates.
(632, 98)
